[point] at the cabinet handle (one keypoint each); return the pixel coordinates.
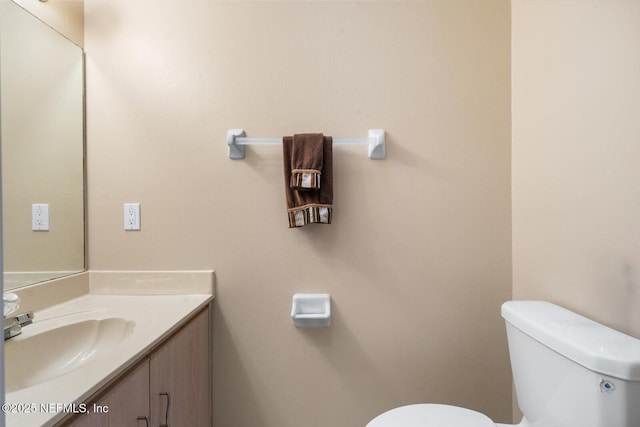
(146, 419)
(166, 414)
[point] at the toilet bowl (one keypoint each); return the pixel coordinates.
(568, 371)
(426, 415)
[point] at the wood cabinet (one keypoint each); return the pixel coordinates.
(170, 387)
(179, 378)
(120, 405)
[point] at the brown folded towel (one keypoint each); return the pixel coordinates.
(306, 161)
(306, 207)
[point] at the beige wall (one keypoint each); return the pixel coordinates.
(576, 156)
(65, 16)
(418, 258)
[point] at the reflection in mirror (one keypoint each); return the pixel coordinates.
(42, 152)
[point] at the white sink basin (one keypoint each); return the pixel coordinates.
(52, 348)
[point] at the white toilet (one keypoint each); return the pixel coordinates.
(568, 371)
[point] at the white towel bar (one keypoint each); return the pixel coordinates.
(236, 140)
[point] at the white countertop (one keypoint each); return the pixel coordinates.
(155, 316)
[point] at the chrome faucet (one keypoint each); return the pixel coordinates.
(13, 324)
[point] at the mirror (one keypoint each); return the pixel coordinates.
(42, 148)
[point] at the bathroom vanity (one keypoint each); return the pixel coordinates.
(170, 386)
(131, 349)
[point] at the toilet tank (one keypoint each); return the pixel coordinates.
(570, 371)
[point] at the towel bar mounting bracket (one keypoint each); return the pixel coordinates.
(236, 151)
(377, 146)
(375, 141)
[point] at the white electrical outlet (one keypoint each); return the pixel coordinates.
(132, 216)
(40, 217)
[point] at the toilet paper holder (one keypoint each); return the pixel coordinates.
(311, 310)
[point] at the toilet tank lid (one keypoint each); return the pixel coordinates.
(592, 345)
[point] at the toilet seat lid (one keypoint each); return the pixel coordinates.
(431, 415)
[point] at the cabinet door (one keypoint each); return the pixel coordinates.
(126, 404)
(180, 378)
